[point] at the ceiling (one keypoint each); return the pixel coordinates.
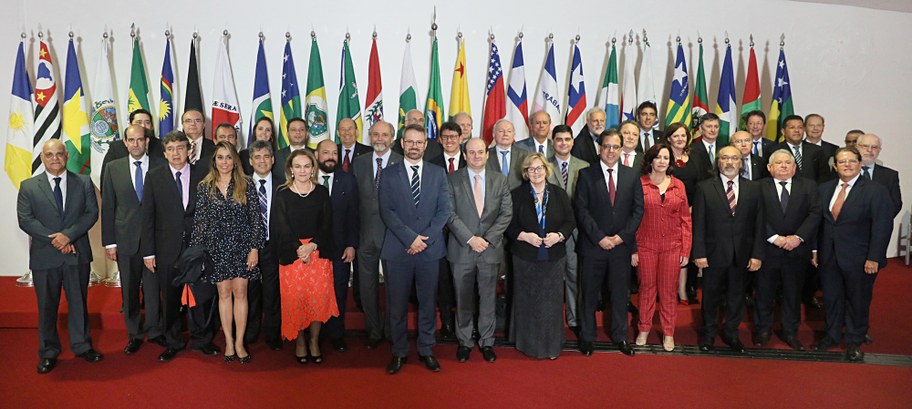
(904, 6)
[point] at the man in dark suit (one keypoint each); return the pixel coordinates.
(609, 207)
(56, 208)
(505, 157)
(852, 247)
(585, 146)
(753, 167)
(118, 149)
(368, 170)
(194, 127)
(451, 158)
(727, 243)
(121, 218)
(703, 152)
(631, 155)
(413, 205)
(168, 205)
(264, 300)
(813, 130)
(539, 139)
(869, 146)
(343, 192)
(349, 147)
(297, 139)
(809, 157)
(647, 115)
(480, 211)
(756, 126)
(791, 214)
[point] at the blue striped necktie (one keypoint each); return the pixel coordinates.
(416, 185)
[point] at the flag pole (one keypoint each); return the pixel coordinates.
(782, 41)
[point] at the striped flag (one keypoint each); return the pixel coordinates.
(679, 97)
(47, 109)
(727, 107)
(548, 97)
(751, 99)
(576, 93)
(373, 108)
(104, 113)
(494, 105)
(408, 88)
(225, 106)
(21, 126)
(349, 102)
(291, 95)
(167, 89)
(517, 101)
(700, 100)
(609, 95)
(139, 87)
(781, 105)
(316, 107)
(629, 97)
(433, 107)
(459, 92)
(76, 135)
(262, 99)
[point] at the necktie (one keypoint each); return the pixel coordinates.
(646, 143)
(416, 185)
(611, 191)
(193, 158)
(784, 197)
(138, 180)
(840, 200)
(756, 150)
(797, 156)
(565, 174)
(712, 156)
(746, 169)
(58, 194)
(504, 166)
(542, 254)
(326, 183)
(346, 163)
(541, 149)
(377, 175)
(626, 160)
(730, 192)
(452, 167)
(476, 191)
(180, 188)
(866, 172)
(264, 207)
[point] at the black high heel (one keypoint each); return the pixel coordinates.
(229, 358)
(246, 359)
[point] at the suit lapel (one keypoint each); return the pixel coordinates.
(45, 188)
(71, 193)
(720, 190)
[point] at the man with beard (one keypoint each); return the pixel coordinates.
(343, 193)
(585, 146)
(349, 147)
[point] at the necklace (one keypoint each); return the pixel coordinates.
(293, 185)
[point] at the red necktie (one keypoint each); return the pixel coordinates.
(346, 164)
(611, 191)
(626, 160)
(840, 200)
(452, 167)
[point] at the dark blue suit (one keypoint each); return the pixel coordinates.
(345, 231)
(405, 222)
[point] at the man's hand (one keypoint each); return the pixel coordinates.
(754, 264)
(111, 254)
(68, 249)
(59, 240)
(418, 245)
(702, 262)
(150, 264)
(348, 255)
(478, 244)
(791, 242)
(814, 258)
(871, 267)
(605, 243)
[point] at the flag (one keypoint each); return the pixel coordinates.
(517, 102)
(47, 110)
(629, 97)
(408, 88)
(726, 105)
(646, 84)
(76, 135)
(315, 113)
(750, 101)
(781, 105)
(373, 103)
(679, 98)
(194, 96)
(494, 104)
(262, 99)
(609, 94)
(459, 93)
(291, 96)
(104, 113)
(18, 162)
(548, 98)
(433, 107)
(700, 101)
(225, 106)
(576, 93)
(168, 87)
(139, 87)
(349, 102)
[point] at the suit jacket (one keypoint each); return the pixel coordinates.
(889, 178)
(278, 179)
(464, 221)
(583, 147)
(121, 210)
(720, 237)
(344, 197)
(118, 149)
(248, 168)
(704, 168)
(282, 155)
(431, 150)
(440, 161)
(404, 221)
(517, 155)
(208, 150)
(529, 145)
(39, 217)
(801, 217)
(166, 224)
(558, 218)
(767, 147)
(637, 160)
(359, 149)
(573, 168)
(863, 229)
(814, 164)
(598, 218)
(758, 167)
(657, 136)
(371, 226)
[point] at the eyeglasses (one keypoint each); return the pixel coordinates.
(847, 162)
(449, 136)
(866, 146)
(535, 169)
(413, 143)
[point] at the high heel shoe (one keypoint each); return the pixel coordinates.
(668, 344)
(683, 301)
(302, 359)
(229, 358)
(641, 339)
(245, 359)
(317, 359)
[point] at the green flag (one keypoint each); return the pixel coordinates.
(408, 88)
(700, 100)
(139, 87)
(349, 103)
(433, 107)
(315, 113)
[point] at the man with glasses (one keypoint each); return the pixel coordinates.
(194, 127)
(869, 145)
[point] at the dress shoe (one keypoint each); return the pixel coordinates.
(339, 345)
(462, 353)
(793, 343)
(748, 301)
(826, 343)
(274, 345)
(475, 334)
(91, 356)
(868, 340)
(761, 338)
(488, 354)
(632, 308)
(626, 348)
(395, 365)
(854, 354)
(430, 362)
(207, 349)
(668, 344)
(168, 355)
(576, 331)
(45, 365)
(706, 344)
(586, 348)
(158, 340)
(692, 295)
(735, 345)
(447, 332)
(641, 339)
(372, 343)
(133, 346)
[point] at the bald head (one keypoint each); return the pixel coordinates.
(54, 157)
(742, 141)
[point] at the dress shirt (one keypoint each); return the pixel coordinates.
(652, 139)
(198, 151)
(472, 174)
(384, 158)
(614, 174)
(839, 187)
(710, 148)
(269, 189)
(185, 181)
(734, 187)
(788, 188)
(329, 182)
(540, 147)
(628, 157)
(408, 168)
(446, 161)
(145, 168)
(350, 154)
(63, 183)
(500, 156)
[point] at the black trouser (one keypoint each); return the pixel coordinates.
(723, 283)
(612, 266)
(789, 273)
(846, 294)
(446, 293)
(200, 333)
(264, 300)
(335, 327)
(134, 277)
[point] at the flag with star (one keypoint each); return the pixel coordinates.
(373, 108)
(76, 136)
(679, 98)
(629, 95)
(291, 95)
(548, 97)
(316, 110)
(167, 90)
(700, 101)
(47, 108)
(781, 106)
(494, 104)
(459, 92)
(576, 93)
(517, 101)
(408, 88)
(104, 125)
(349, 102)
(139, 87)
(751, 99)
(262, 99)
(609, 95)
(726, 105)
(433, 106)
(18, 161)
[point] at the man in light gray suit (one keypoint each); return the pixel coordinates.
(539, 139)
(56, 208)
(480, 211)
(367, 171)
(566, 168)
(505, 157)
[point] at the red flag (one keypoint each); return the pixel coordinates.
(225, 107)
(751, 101)
(373, 104)
(495, 107)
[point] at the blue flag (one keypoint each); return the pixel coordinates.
(166, 104)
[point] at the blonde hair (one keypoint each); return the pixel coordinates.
(527, 163)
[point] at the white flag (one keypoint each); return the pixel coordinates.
(225, 107)
(629, 96)
(548, 98)
(104, 113)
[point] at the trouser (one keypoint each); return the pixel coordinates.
(465, 278)
(200, 333)
(571, 281)
(375, 322)
(658, 272)
(846, 294)
(446, 293)
(134, 277)
(723, 283)
(335, 327)
(404, 274)
(74, 280)
(264, 300)
(788, 273)
(612, 266)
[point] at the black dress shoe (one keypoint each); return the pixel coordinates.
(488, 354)
(207, 349)
(372, 343)
(706, 344)
(395, 365)
(45, 365)
(735, 344)
(168, 355)
(160, 340)
(868, 340)
(794, 343)
(576, 331)
(430, 363)
(626, 348)
(761, 338)
(91, 356)
(133, 346)
(826, 343)
(462, 353)
(447, 332)
(632, 308)
(854, 354)
(586, 348)
(692, 295)
(339, 345)
(274, 345)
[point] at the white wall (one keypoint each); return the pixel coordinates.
(848, 64)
